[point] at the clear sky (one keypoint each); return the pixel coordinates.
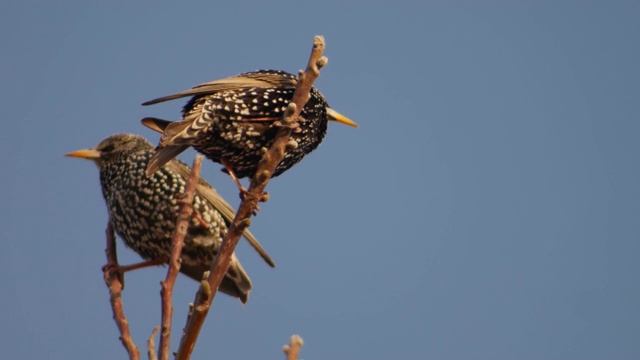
(486, 208)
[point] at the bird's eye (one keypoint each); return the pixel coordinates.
(107, 148)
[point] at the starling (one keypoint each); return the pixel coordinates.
(143, 210)
(230, 120)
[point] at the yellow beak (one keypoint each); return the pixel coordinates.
(336, 116)
(89, 154)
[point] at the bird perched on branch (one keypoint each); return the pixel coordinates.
(143, 210)
(230, 120)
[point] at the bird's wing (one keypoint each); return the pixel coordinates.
(250, 80)
(211, 195)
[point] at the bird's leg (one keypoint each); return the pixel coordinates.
(194, 214)
(142, 265)
(121, 269)
(244, 194)
(199, 219)
(233, 176)
(124, 268)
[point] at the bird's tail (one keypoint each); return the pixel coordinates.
(162, 156)
(168, 148)
(235, 282)
(155, 124)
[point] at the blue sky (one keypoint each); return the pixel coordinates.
(486, 208)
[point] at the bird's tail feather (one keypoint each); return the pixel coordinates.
(162, 156)
(235, 282)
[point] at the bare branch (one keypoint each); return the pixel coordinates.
(115, 281)
(177, 243)
(249, 204)
(151, 345)
(293, 349)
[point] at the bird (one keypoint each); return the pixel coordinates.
(143, 210)
(230, 120)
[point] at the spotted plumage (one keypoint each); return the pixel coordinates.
(230, 120)
(143, 210)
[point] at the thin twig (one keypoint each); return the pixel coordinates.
(151, 345)
(177, 243)
(249, 204)
(293, 349)
(115, 285)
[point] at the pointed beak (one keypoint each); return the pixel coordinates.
(336, 116)
(89, 154)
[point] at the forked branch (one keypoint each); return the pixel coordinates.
(114, 281)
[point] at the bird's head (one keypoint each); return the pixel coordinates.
(112, 146)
